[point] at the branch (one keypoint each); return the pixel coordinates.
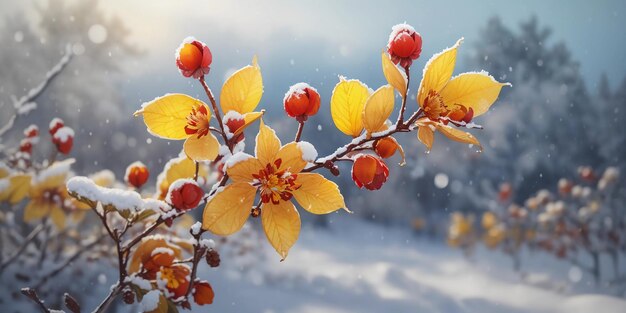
(36, 92)
(299, 133)
(400, 120)
(32, 294)
(358, 141)
(22, 247)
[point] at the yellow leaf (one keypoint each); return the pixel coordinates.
(437, 72)
(346, 106)
(35, 210)
(177, 168)
(205, 148)
(19, 186)
(229, 209)
(318, 195)
(281, 223)
(473, 90)
(248, 118)
(290, 157)
(242, 171)
(377, 109)
(242, 91)
(426, 136)
(394, 76)
(458, 135)
(166, 116)
(267, 144)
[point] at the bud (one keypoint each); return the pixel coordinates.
(233, 122)
(203, 293)
(213, 258)
(405, 45)
(301, 101)
(385, 147)
(586, 173)
(461, 114)
(55, 125)
(255, 212)
(565, 186)
(184, 194)
(193, 58)
(26, 146)
(71, 303)
(505, 192)
(369, 172)
(63, 139)
(31, 131)
(129, 296)
(136, 174)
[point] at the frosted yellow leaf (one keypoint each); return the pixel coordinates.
(473, 90)
(166, 116)
(377, 108)
(242, 171)
(394, 76)
(229, 209)
(426, 135)
(248, 118)
(205, 148)
(281, 223)
(243, 90)
(318, 195)
(290, 157)
(19, 186)
(458, 135)
(346, 106)
(267, 144)
(437, 72)
(179, 168)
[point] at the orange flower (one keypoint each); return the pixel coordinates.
(175, 279)
(369, 172)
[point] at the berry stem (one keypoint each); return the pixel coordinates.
(400, 120)
(216, 111)
(300, 128)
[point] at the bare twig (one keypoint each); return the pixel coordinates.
(23, 246)
(31, 294)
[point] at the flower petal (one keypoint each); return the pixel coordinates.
(19, 186)
(242, 171)
(318, 195)
(166, 116)
(458, 135)
(290, 157)
(267, 144)
(58, 217)
(205, 148)
(394, 76)
(243, 90)
(473, 90)
(378, 108)
(426, 135)
(281, 223)
(346, 106)
(229, 209)
(437, 72)
(35, 210)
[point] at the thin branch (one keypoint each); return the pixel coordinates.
(400, 120)
(299, 133)
(22, 247)
(216, 111)
(32, 294)
(36, 92)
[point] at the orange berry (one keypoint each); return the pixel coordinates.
(301, 101)
(385, 147)
(203, 293)
(369, 172)
(193, 58)
(137, 174)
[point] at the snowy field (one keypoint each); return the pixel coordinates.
(360, 267)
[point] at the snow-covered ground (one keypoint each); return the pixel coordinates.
(355, 266)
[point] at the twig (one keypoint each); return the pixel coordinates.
(198, 253)
(71, 259)
(36, 92)
(22, 247)
(400, 120)
(216, 111)
(300, 128)
(32, 294)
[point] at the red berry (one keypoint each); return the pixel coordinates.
(369, 172)
(301, 100)
(193, 58)
(137, 174)
(184, 194)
